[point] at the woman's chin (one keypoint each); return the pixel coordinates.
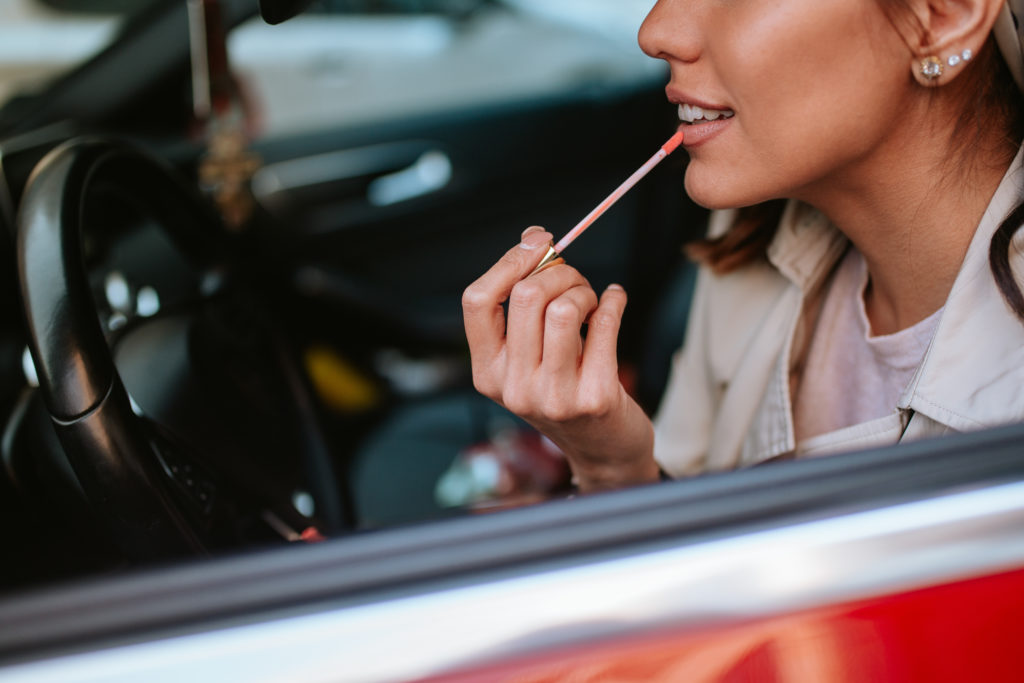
(719, 190)
(708, 194)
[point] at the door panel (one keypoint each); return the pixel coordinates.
(391, 219)
(501, 171)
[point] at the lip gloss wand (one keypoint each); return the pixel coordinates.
(554, 253)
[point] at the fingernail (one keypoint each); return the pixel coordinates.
(531, 229)
(536, 239)
(617, 287)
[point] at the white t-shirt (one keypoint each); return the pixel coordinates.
(851, 376)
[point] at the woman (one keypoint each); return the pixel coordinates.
(874, 305)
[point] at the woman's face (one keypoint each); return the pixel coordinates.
(808, 94)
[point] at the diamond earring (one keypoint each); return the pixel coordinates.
(964, 56)
(931, 67)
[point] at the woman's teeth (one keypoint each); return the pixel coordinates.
(689, 113)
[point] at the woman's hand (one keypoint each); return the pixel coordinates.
(538, 365)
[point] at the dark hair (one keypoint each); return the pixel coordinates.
(755, 226)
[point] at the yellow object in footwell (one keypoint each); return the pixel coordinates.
(338, 383)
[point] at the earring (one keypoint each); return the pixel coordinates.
(964, 56)
(931, 67)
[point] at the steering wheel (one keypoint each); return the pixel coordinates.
(162, 488)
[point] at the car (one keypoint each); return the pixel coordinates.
(240, 439)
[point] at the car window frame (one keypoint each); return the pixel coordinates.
(192, 597)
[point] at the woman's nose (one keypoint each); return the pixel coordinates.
(671, 31)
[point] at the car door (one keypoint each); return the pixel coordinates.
(904, 563)
(404, 149)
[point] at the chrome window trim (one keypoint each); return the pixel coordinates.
(839, 559)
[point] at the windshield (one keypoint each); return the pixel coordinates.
(44, 39)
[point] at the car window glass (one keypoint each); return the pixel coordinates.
(352, 62)
(43, 39)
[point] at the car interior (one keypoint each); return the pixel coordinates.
(233, 375)
(187, 374)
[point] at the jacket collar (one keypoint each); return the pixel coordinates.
(806, 246)
(972, 374)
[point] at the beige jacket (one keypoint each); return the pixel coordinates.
(729, 400)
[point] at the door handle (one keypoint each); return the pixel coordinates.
(430, 173)
(392, 172)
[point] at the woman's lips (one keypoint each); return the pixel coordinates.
(700, 119)
(700, 132)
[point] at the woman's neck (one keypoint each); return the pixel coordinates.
(912, 210)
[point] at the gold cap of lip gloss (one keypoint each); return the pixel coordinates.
(551, 258)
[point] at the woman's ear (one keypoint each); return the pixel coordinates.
(949, 33)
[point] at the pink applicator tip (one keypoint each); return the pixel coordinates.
(673, 142)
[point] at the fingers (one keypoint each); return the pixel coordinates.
(483, 316)
(563, 345)
(600, 350)
(527, 314)
(536, 362)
